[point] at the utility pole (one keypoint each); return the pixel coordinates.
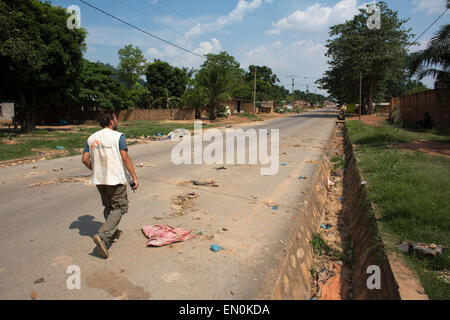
(292, 77)
(254, 97)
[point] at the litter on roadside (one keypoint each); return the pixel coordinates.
(221, 168)
(275, 208)
(161, 235)
(326, 226)
(178, 133)
(206, 183)
(214, 247)
(283, 164)
(145, 164)
(421, 248)
(40, 280)
(60, 147)
(303, 178)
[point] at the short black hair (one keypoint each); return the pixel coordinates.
(104, 118)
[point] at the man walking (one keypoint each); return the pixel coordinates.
(106, 154)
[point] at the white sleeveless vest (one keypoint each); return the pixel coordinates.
(107, 164)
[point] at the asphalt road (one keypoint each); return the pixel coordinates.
(44, 229)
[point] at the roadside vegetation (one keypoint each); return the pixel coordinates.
(410, 190)
(15, 146)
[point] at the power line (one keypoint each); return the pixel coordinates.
(431, 25)
(141, 30)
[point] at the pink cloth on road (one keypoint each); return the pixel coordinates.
(159, 235)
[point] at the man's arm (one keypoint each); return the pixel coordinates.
(86, 159)
(129, 166)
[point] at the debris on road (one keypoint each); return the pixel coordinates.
(206, 183)
(145, 164)
(182, 203)
(83, 179)
(161, 235)
(192, 195)
(216, 248)
(303, 178)
(221, 168)
(34, 295)
(432, 250)
(40, 280)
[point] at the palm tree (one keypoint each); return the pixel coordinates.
(214, 82)
(434, 60)
(167, 99)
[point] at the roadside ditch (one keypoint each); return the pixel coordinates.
(336, 244)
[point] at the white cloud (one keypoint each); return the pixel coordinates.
(316, 17)
(429, 6)
(180, 58)
(243, 7)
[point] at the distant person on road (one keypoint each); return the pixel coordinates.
(106, 154)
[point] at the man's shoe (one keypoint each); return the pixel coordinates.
(101, 246)
(117, 234)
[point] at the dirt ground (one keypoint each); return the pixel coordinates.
(439, 148)
(371, 120)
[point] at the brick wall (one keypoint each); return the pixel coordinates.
(436, 103)
(156, 114)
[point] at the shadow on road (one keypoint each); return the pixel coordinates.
(322, 114)
(86, 225)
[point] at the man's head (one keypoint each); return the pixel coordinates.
(108, 119)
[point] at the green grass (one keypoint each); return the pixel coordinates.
(248, 115)
(76, 138)
(411, 191)
(319, 245)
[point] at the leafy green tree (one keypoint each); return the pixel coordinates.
(195, 98)
(265, 80)
(131, 66)
(100, 88)
(434, 61)
(167, 100)
(378, 54)
(215, 79)
(40, 58)
(161, 76)
(139, 96)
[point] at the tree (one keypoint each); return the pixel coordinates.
(378, 54)
(131, 66)
(167, 100)
(40, 58)
(265, 81)
(162, 76)
(215, 79)
(99, 88)
(434, 61)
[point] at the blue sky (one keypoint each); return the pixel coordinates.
(286, 35)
